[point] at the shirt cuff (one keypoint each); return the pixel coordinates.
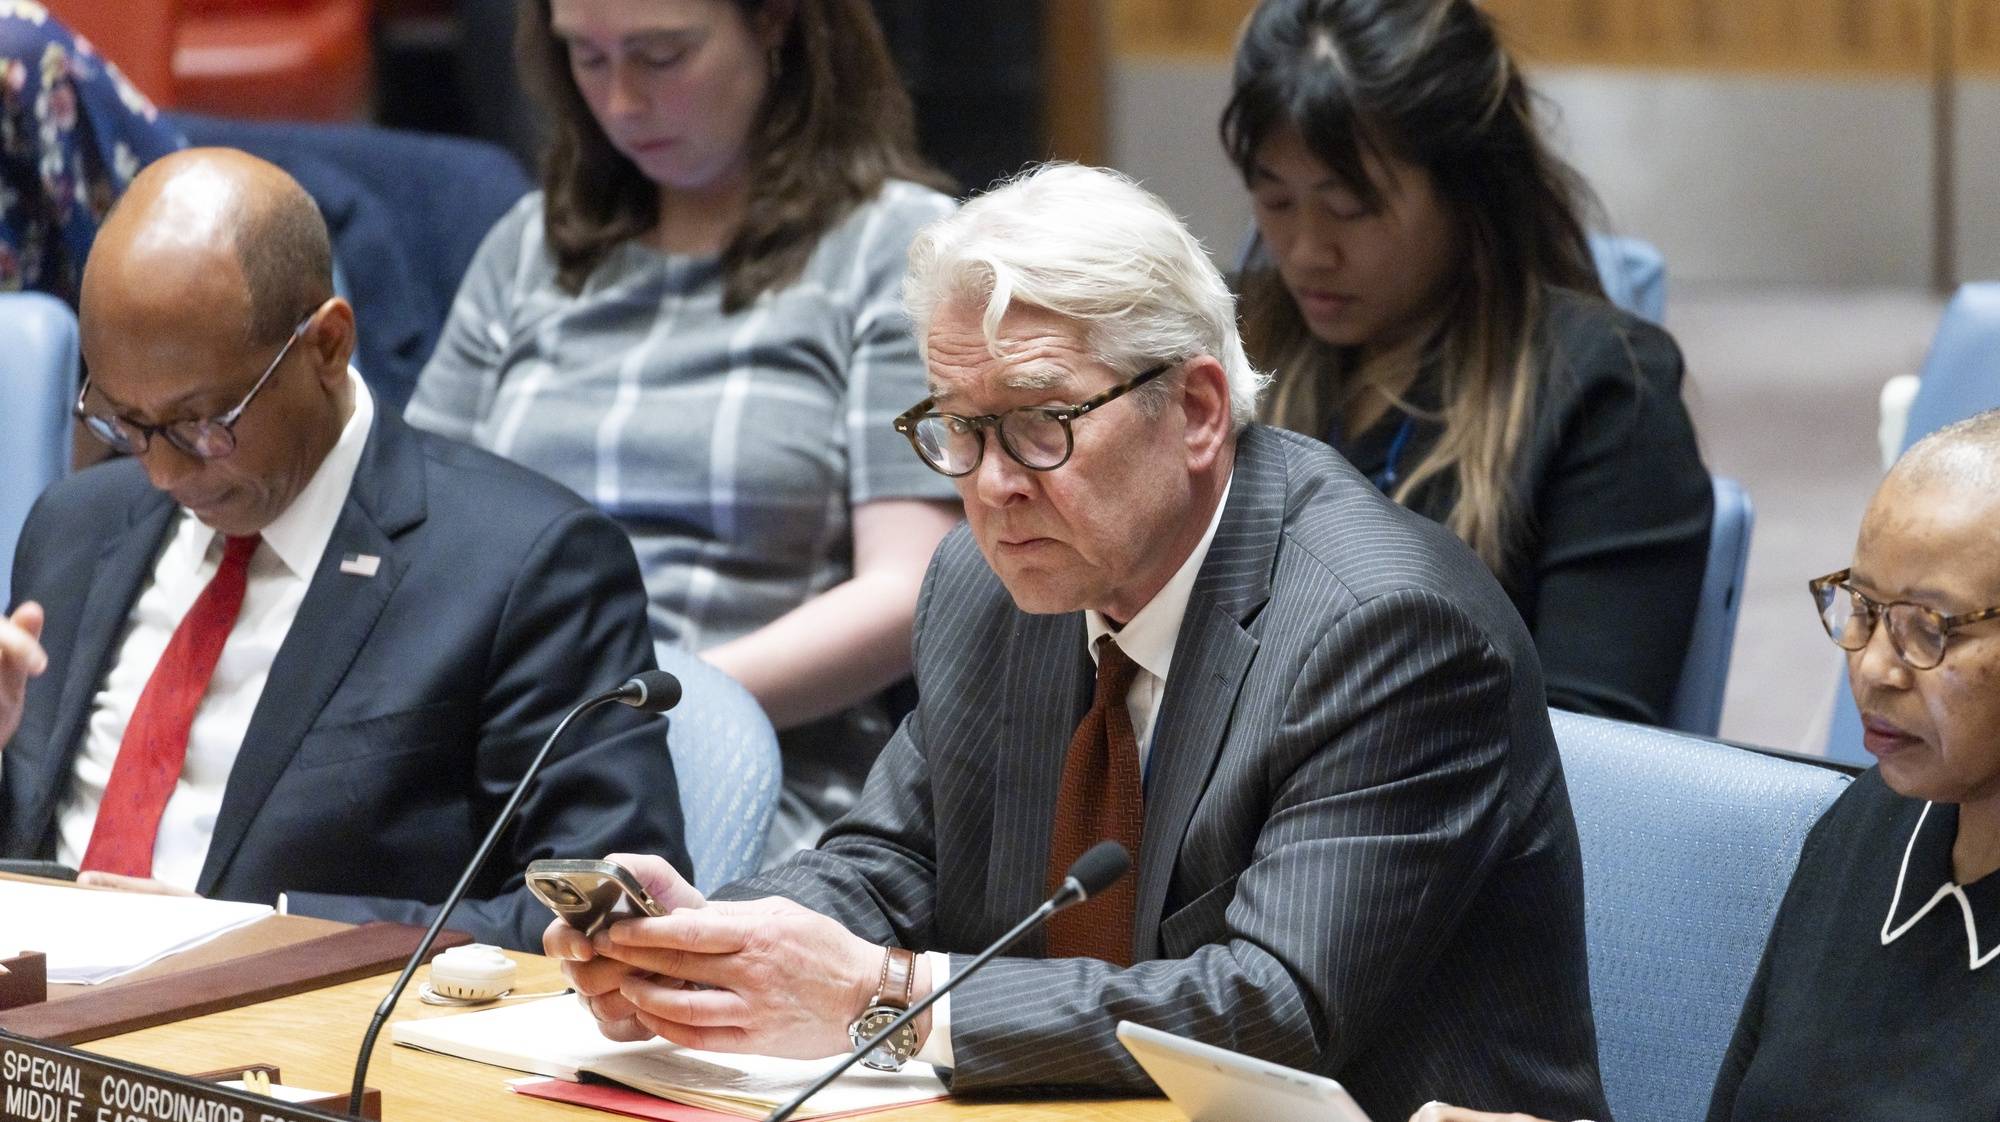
(936, 1050)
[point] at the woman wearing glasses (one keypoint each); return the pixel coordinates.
(1424, 296)
(695, 325)
(1879, 993)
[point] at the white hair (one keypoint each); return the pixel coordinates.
(1094, 247)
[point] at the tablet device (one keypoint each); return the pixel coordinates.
(1211, 1084)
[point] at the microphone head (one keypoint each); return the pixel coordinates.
(651, 691)
(1100, 867)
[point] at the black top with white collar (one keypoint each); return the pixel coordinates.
(1879, 993)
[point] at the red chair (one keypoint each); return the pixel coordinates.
(138, 35)
(302, 60)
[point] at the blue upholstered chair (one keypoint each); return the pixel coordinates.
(1961, 376)
(1688, 845)
(726, 764)
(1633, 273)
(1697, 704)
(38, 380)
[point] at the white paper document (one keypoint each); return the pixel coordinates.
(558, 1038)
(91, 936)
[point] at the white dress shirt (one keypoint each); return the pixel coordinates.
(1148, 640)
(279, 573)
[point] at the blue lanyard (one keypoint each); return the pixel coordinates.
(1386, 479)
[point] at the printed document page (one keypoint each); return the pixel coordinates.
(93, 936)
(558, 1038)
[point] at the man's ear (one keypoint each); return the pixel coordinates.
(1204, 403)
(331, 340)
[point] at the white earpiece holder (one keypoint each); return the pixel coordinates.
(475, 973)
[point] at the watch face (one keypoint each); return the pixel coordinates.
(891, 1054)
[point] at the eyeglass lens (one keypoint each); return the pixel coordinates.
(1034, 437)
(1851, 622)
(202, 439)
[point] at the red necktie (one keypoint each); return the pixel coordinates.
(149, 759)
(1101, 797)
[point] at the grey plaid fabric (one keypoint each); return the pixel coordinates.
(730, 447)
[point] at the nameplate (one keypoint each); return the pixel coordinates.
(47, 1083)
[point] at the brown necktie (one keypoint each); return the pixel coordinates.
(1101, 797)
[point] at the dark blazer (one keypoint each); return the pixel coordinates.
(401, 708)
(1358, 855)
(1838, 1024)
(1616, 506)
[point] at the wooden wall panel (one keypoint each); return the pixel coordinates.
(1978, 33)
(1178, 27)
(1889, 37)
(1075, 61)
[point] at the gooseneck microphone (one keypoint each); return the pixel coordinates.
(1098, 869)
(650, 691)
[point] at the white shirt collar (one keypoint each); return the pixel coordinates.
(298, 537)
(1148, 637)
(1891, 931)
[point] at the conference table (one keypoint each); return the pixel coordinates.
(312, 1038)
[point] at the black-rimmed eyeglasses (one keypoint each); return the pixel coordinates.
(1918, 633)
(1037, 437)
(208, 438)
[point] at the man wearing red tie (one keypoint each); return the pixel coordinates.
(287, 645)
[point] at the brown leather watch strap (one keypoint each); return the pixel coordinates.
(899, 978)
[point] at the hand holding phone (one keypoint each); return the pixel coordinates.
(590, 895)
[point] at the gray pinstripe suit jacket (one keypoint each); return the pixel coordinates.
(1358, 855)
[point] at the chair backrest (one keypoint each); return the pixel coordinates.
(137, 35)
(1688, 845)
(38, 379)
(726, 765)
(407, 211)
(1697, 704)
(1633, 273)
(1961, 376)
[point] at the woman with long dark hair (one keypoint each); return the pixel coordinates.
(695, 324)
(1424, 297)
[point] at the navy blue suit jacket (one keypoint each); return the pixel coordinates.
(401, 707)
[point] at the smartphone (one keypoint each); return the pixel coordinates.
(590, 894)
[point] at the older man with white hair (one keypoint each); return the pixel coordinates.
(1313, 718)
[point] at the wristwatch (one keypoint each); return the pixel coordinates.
(893, 993)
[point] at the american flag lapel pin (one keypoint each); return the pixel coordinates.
(360, 564)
